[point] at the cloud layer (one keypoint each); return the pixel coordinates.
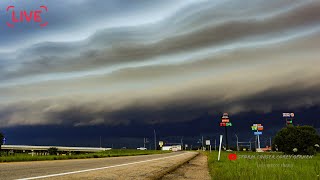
(193, 58)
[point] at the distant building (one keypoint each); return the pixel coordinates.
(172, 148)
(266, 149)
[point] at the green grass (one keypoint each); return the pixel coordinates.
(262, 169)
(111, 153)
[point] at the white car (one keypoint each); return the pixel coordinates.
(141, 148)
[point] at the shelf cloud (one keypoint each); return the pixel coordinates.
(184, 59)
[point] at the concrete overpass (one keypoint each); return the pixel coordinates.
(45, 148)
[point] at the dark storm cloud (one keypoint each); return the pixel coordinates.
(122, 45)
(76, 20)
(172, 70)
(90, 112)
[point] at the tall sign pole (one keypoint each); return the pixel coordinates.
(155, 139)
(289, 118)
(225, 122)
(258, 140)
(226, 133)
(257, 128)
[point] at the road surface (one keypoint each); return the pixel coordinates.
(129, 167)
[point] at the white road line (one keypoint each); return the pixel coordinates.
(95, 169)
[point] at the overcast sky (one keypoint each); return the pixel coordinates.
(119, 62)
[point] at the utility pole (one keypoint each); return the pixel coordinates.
(202, 142)
(100, 141)
(215, 144)
(226, 130)
(237, 142)
(270, 143)
(155, 139)
(181, 142)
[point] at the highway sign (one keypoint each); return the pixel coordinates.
(229, 124)
(257, 133)
(225, 120)
(260, 128)
(256, 127)
(208, 142)
(288, 115)
(160, 143)
(225, 116)
(289, 121)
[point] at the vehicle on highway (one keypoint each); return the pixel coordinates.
(141, 148)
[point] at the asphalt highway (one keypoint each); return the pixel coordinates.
(129, 167)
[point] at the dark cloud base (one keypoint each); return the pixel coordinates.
(132, 136)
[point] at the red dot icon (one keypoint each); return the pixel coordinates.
(232, 157)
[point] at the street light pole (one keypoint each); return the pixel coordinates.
(215, 144)
(181, 142)
(237, 142)
(202, 142)
(155, 139)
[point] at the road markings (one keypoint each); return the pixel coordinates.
(95, 169)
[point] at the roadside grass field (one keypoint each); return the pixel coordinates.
(110, 153)
(262, 168)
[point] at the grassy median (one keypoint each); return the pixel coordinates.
(110, 153)
(263, 166)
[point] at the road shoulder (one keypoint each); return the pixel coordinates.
(195, 169)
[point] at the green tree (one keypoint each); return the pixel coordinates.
(297, 140)
(53, 151)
